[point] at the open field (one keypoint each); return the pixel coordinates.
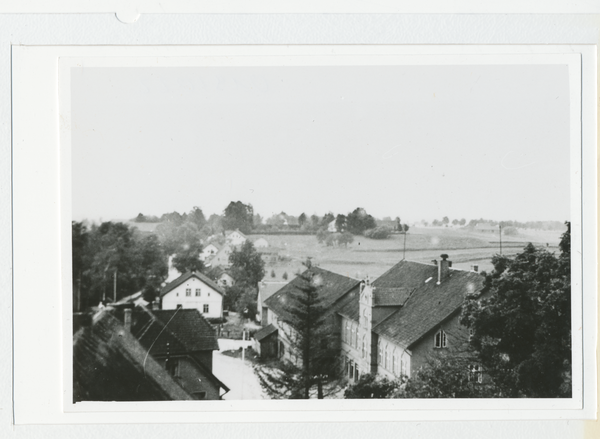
(373, 257)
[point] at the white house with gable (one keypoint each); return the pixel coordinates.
(193, 290)
(236, 238)
(208, 252)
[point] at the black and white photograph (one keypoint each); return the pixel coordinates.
(389, 231)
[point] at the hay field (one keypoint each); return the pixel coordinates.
(373, 257)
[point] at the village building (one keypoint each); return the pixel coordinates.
(486, 227)
(261, 243)
(182, 341)
(209, 251)
(265, 290)
(221, 258)
(193, 290)
(110, 364)
(404, 316)
(235, 238)
(389, 326)
(221, 276)
(335, 291)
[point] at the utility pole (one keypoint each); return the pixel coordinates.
(500, 233)
(404, 250)
(115, 287)
(243, 359)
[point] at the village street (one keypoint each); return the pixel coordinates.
(238, 376)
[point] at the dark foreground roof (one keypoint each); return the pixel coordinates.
(265, 332)
(428, 304)
(186, 330)
(185, 277)
(332, 286)
(109, 364)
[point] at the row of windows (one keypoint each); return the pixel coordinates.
(351, 369)
(395, 361)
(188, 292)
(205, 308)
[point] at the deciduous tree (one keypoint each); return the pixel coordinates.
(523, 329)
(238, 215)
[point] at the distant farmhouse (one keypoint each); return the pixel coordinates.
(208, 252)
(193, 290)
(221, 276)
(261, 243)
(485, 227)
(235, 238)
(388, 326)
(221, 258)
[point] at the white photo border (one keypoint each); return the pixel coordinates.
(24, 62)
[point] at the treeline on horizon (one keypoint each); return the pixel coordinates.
(311, 224)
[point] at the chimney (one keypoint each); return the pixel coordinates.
(155, 305)
(443, 268)
(127, 319)
(475, 268)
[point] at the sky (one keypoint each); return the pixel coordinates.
(418, 142)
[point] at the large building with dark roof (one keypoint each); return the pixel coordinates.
(110, 364)
(335, 291)
(182, 341)
(389, 326)
(404, 316)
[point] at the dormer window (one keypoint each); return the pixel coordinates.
(440, 340)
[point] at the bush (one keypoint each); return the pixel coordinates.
(381, 232)
(371, 386)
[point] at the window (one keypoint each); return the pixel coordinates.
(356, 373)
(364, 346)
(172, 366)
(475, 373)
(197, 292)
(385, 364)
(179, 306)
(394, 364)
(440, 340)
(380, 355)
(348, 339)
(471, 332)
(352, 337)
(205, 308)
(188, 291)
(404, 367)
(356, 340)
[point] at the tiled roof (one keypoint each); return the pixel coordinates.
(267, 289)
(109, 364)
(386, 296)
(265, 332)
(351, 310)
(185, 277)
(186, 330)
(332, 287)
(429, 304)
